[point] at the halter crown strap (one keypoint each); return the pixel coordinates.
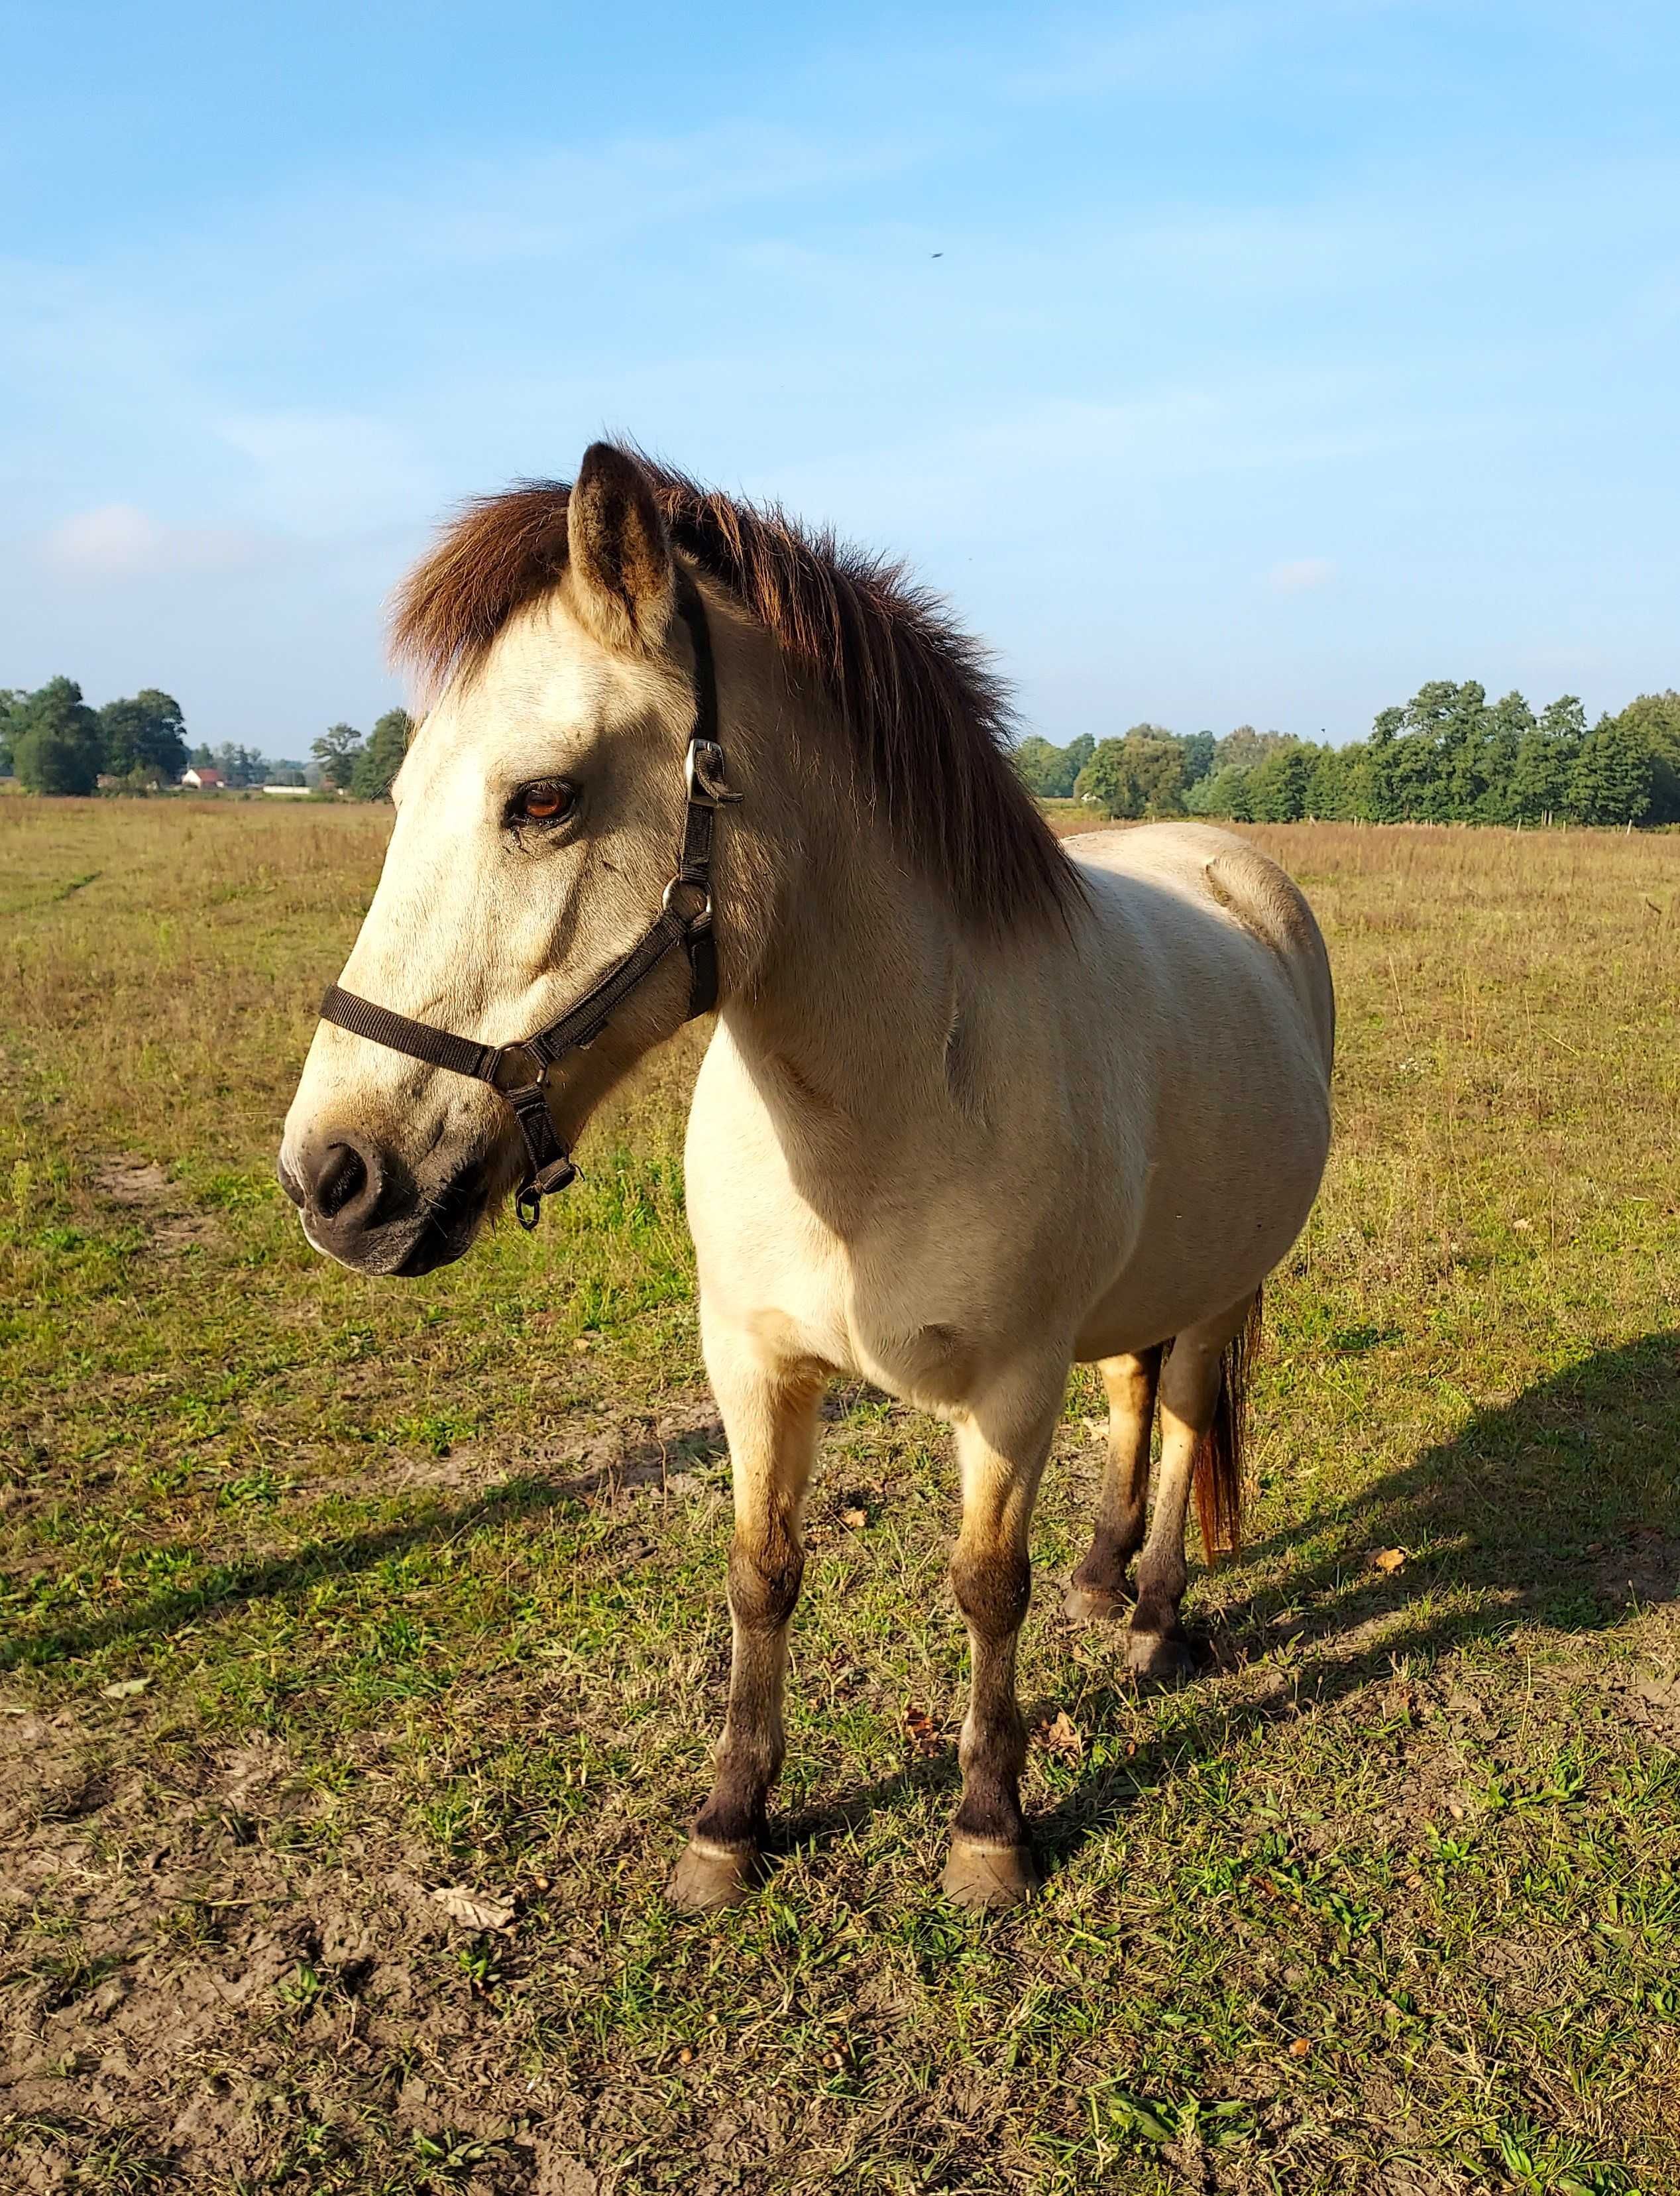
(518, 1073)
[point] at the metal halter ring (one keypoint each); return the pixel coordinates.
(517, 1067)
(701, 917)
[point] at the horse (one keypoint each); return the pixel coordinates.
(978, 1104)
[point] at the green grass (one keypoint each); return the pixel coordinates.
(422, 1586)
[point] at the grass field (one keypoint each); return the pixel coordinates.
(321, 1596)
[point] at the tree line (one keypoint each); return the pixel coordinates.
(1449, 755)
(54, 741)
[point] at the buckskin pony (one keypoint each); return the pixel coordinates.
(977, 1106)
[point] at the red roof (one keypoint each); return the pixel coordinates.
(203, 772)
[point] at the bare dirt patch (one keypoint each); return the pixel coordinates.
(141, 1186)
(1644, 1570)
(650, 1449)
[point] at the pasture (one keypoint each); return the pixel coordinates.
(323, 1596)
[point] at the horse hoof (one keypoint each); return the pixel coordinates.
(988, 1879)
(1090, 1604)
(709, 1877)
(1160, 1658)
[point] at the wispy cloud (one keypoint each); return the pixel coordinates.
(330, 471)
(1299, 574)
(120, 542)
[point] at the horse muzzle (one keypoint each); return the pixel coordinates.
(365, 1208)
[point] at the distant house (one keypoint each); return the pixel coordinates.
(201, 777)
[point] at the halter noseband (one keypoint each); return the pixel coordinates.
(518, 1071)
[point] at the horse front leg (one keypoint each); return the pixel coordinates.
(770, 1416)
(991, 1862)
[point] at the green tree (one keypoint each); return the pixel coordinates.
(144, 738)
(1198, 757)
(1040, 768)
(241, 767)
(1655, 719)
(1278, 786)
(1544, 761)
(56, 745)
(1244, 747)
(337, 751)
(1379, 796)
(1614, 777)
(1048, 773)
(1142, 775)
(1225, 795)
(12, 699)
(1433, 772)
(1507, 722)
(1332, 784)
(380, 760)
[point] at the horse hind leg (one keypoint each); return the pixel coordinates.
(1202, 1397)
(1100, 1588)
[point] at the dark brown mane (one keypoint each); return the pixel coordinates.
(929, 719)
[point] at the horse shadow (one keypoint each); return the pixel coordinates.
(521, 1495)
(1560, 1509)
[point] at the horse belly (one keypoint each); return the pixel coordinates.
(1219, 1213)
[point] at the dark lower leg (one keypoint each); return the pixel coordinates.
(993, 1586)
(991, 1864)
(1157, 1647)
(1189, 1391)
(1100, 1585)
(764, 1570)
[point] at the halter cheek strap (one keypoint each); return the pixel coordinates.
(518, 1073)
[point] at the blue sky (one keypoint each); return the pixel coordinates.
(1275, 357)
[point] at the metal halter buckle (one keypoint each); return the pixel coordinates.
(703, 772)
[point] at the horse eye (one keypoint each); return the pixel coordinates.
(546, 802)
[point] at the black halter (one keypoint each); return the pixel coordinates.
(519, 1072)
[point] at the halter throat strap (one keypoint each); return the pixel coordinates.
(518, 1073)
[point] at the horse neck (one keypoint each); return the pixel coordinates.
(842, 999)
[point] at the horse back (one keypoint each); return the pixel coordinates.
(1231, 875)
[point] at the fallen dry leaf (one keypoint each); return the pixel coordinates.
(124, 1689)
(856, 1518)
(1388, 1559)
(922, 1732)
(1061, 1736)
(473, 1910)
(1302, 2048)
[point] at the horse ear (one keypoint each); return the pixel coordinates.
(623, 584)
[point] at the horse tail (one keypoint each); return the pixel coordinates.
(1220, 1462)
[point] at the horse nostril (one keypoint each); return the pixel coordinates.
(341, 1178)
